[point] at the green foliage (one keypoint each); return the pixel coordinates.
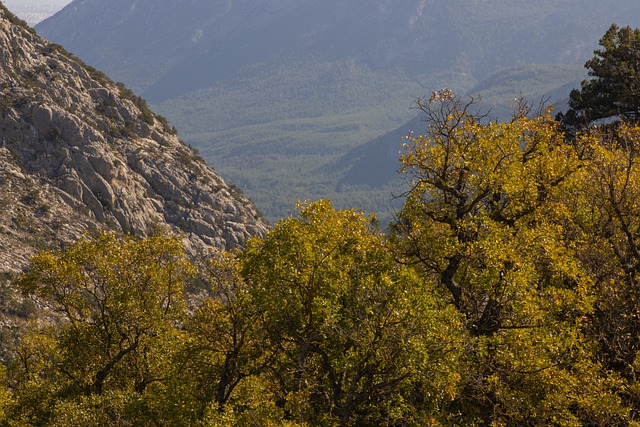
(606, 211)
(224, 352)
(359, 338)
(5, 397)
(506, 294)
(485, 219)
(613, 92)
(119, 301)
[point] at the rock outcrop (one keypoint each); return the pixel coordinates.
(79, 153)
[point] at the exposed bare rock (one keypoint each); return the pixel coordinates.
(79, 153)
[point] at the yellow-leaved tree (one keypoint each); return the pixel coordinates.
(104, 354)
(606, 212)
(358, 339)
(486, 220)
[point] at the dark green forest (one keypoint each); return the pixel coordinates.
(505, 293)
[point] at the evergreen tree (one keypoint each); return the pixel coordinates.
(613, 92)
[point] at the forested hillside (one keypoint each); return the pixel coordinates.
(274, 93)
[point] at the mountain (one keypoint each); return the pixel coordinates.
(375, 163)
(80, 153)
(34, 11)
(274, 93)
(167, 48)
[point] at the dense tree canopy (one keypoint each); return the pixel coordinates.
(487, 218)
(115, 306)
(507, 293)
(361, 337)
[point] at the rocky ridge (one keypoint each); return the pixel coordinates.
(79, 153)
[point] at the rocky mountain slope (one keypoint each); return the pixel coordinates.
(79, 153)
(276, 92)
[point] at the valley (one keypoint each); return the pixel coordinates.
(496, 283)
(276, 96)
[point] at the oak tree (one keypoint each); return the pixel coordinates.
(484, 220)
(361, 339)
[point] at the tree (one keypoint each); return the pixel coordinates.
(614, 90)
(116, 303)
(484, 219)
(605, 207)
(4, 396)
(605, 212)
(225, 356)
(361, 340)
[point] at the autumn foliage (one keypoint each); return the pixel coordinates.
(506, 293)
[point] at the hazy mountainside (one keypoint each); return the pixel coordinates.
(169, 48)
(80, 153)
(275, 93)
(375, 163)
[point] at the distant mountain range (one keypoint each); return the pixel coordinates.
(281, 96)
(34, 11)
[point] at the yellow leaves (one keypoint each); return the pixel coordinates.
(492, 219)
(5, 396)
(328, 282)
(613, 173)
(487, 287)
(472, 163)
(119, 300)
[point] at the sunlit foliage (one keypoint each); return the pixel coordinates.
(114, 305)
(505, 294)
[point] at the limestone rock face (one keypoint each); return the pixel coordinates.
(79, 153)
